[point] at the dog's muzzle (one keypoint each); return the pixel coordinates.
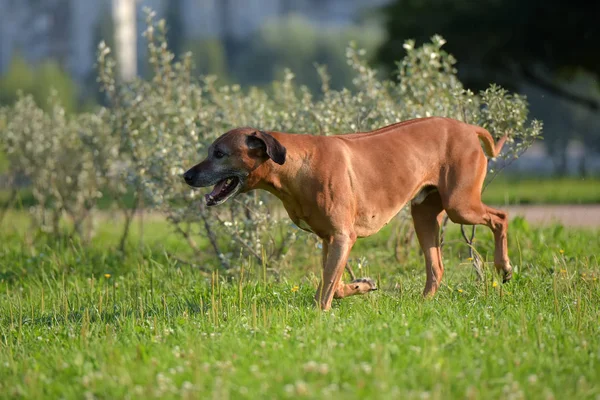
(189, 177)
(224, 189)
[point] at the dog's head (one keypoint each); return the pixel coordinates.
(232, 161)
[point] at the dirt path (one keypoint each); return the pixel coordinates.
(569, 215)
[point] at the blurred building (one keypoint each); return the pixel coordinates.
(69, 30)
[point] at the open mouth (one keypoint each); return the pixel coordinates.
(222, 191)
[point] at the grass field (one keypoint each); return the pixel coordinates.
(85, 322)
(514, 190)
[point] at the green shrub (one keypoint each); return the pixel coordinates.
(3, 124)
(155, 129)
(61, 155)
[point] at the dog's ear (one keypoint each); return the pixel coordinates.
(270, 145)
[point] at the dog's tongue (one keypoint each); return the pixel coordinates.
(215, 192)
(218, 187)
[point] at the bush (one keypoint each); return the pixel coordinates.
(61, 156)
(3, 124)
(155, 129)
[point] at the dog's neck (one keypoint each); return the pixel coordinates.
(283, 180)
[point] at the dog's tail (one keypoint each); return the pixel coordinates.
(491, 149)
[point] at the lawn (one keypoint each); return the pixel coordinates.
(516, 190)
(85, 322)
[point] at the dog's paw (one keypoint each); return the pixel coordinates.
(363, 285)
(506, 271)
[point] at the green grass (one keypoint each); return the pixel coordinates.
(515, 190)
(80, 321)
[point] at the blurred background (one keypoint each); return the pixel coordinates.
(545, 50)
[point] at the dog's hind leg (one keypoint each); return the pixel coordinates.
(497, 221)
(357, 286)
(427, 218)
(462, 202)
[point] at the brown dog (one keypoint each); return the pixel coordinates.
(349, 186)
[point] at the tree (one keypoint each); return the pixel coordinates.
(225, 18)
(19, 76)
(504, 41)
(175, 32)
(40, 81)
(208, 55)
(296, 43)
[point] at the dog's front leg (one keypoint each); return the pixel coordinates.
(335, 256)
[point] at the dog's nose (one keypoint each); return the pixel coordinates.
(188, 176)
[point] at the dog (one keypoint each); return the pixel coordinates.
(344, 187)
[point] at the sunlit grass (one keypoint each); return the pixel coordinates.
(79, 321)
(543, 191)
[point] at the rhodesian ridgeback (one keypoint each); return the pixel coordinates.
(344, 187)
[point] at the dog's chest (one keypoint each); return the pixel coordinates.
(300, 222)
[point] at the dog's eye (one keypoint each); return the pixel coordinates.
(219, 154)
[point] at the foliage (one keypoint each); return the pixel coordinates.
(208, 56)
(507, 41)
(521, 46)
(45, 79)
(173, 19)
(152, 130)
(164, 125)
(80, 322)
(3, 124)
(296, 43)
(61, 155)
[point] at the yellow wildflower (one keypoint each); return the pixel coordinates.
(470, 259)
(107, 276)
(494, 284)
(460, 290)
(561, 251)
(563, 271)
(295, 289)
